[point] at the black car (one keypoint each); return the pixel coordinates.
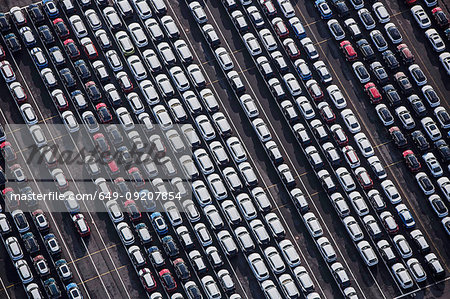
(13, 42)
(403, 83)
(417, 105)
(379, 72)
(398, 137)
(82, 69)
(93, 91)
(366, 49)
(46, 34)
(67, 77)
(392, 96)
(443, 150)
(390, 59)
(170, 247)
(4, 23)
(35, 12)
(341, 8)
(181, 269)
(420, 141)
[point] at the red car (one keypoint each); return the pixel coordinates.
(132, 210)
(147, 280)
(89, 48)
(112, 167)
(410, 2)
(440, 17)
(364, 178)
(339, 135)
(8, 151)
(326, 112)
(136, 177)
(373, 93)
(81, 224)
(101, 144)
(411, 160)
(124, 81)
(269, 9)
(349, 51)
(71, 49)
(405, 53)
(167, 279)
(2, 53)
(314, 90)
(103, 113)
(291, 48)
(280, 27)
(61, 28)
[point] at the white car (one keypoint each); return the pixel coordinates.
(443, 117)
(433, 164)
(431, 128)
(336, 96)
(402, 275)
(292, 84)
(78, 26)
(261, 130)
(313, 225)
(366, 18)
(183, 51)
(377, 167)
(249, 105)
(250, 178)
(358, 203)
(402, 246)
(364, 145)
(444, 185)
(361, 72)
(309, 48)
(289, 253)
(417, 74)
(438, 206)
(170, 26)
(138, 35)
(70, 121)
(350, 121)
(179, 78)
(381, 12)
(384, 114)
(305, 107)
(137, 67)
(258, 266)
(336, 29)
(287, 284)
(286, 8)
(425, 183)
(420, 16)
(345, 179)
(268, 40)
(435, 40)
(198, 12)
(224, 58)
(326, 249)
(416, 270)
(252, 44)
(367, 253)
(391, 192)
(393, 33)
(444, 58)
(353, 228)
(446, 223)
(340, 204)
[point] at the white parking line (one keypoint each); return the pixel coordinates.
(4, 288)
